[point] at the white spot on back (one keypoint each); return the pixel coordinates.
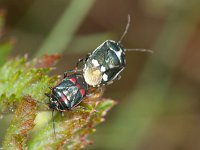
(103, 69)
(95, 62)
(92, 76)
(105, 77)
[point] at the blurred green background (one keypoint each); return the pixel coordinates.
(158, 94)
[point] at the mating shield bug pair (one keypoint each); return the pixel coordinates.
(101, 67)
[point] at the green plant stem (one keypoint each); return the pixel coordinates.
(64, 30)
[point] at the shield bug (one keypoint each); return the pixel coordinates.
(68, 93)
(106, 62)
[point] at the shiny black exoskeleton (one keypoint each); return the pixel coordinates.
(104, 64)
(68, 93)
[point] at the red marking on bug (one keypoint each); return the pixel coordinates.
(73, 80)
(82, 91)
(78, 86)
(63, 97)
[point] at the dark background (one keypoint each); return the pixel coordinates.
(158, 94)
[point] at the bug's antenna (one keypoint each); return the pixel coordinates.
(126, 29)
(54, 130)
(140, 50)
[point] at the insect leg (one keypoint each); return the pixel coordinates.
(54, 129)
(48, 95)
(71, 72)
(118, 77)
(82, 60)
(111, 81)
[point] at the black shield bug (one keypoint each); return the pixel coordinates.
(68, 93)
(106, 62)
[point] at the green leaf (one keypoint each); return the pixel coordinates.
(24, 83)
(72, 129)
(105, 105)
(21, 124)
(19, 78)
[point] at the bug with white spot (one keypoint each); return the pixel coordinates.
(106, 62)
(68, 93)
